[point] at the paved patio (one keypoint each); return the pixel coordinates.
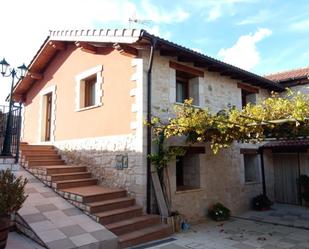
(237, 234)
(281, 214)
(234, 234)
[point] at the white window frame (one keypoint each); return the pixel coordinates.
(42, 114)
(80, 79)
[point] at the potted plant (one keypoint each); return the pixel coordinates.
(12, 196)
(219, 212)
(261, 203)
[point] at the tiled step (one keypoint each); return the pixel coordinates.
(107, 205)
(118, 214)
(110, 207)
(70, 176)
(95, 193)
(144, 235)
(36, 147)
(133, 224)
(38, 152)
(74, 183)
(59, 169)
(45, 162)
(42, 157)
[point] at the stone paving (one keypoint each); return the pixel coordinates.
(281, 214)
(237, 234)
(19, 241)
(57, 223)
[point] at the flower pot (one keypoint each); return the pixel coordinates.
(175, 222)
(4, 230)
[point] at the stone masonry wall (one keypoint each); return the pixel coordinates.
(222, 175)
(99, 155)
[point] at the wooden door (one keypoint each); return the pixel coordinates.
(286, 171)
(48, 116)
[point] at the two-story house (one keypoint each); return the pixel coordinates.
(88, 92)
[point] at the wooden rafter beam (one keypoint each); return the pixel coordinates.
(201, 64)
(184, 58)
(167, 52)
(58, 45)
(183, 68)
(126, 50)
(35, 76)
(86, 47)
(214, 69)
(228, 73)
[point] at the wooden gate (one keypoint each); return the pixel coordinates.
(286, 169)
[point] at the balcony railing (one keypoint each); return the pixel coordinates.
(16, 126)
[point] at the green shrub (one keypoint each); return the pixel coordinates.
(12, 194)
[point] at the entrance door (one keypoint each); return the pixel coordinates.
(48, 116)
(286, 174)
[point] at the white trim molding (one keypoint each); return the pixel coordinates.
(42, 110)
(80, 79)
(136, 92)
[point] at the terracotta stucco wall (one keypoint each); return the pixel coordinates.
(112, 118)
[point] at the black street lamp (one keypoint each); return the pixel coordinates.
(6, 151)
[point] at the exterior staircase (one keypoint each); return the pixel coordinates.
(111, 207)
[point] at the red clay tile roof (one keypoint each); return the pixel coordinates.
(289, 75)
(304, 143)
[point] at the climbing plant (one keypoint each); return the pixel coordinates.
(274, 117)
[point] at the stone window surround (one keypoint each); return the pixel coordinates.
(201, 96)
(98, 87)
(191, 188)
(41, 131)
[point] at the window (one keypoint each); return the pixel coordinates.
(248, 94)
(252, 168)
(247, 97)
(89, 88)
(90, 92)
(182, 90)
(187, 84)
(187, 172)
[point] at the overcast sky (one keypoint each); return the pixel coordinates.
(262, 36)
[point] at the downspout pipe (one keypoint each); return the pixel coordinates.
(263, 170)
(153, 42)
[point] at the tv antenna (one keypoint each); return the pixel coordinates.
(134, 20)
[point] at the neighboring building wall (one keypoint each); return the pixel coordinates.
(94, 137)
(222, 175)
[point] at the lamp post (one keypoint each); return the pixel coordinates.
(6, 151)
